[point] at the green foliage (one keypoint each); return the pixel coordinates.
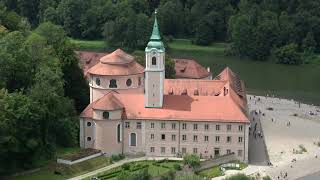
(19, 131)
(192, 160)
(239, 177)
(309, 44)
(288, 54)
(188, 176)
(75, 86)
(131, 31)
(212, 172)
(117, 157)
(266, 178)
(36, 114)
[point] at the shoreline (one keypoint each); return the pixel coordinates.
(285, 141)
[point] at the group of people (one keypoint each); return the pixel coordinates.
(283, 175)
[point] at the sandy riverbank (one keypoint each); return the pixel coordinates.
(284, 141)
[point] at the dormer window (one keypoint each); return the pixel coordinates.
(154, 60)
(113, 83)
(98, 81)
(105, 115)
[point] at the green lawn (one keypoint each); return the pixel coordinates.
(47, 172)
(155, 168)
(93, 45)
(211, 172)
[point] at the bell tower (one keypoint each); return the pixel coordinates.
(155, 69)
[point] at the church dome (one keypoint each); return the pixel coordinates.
(117, 57)
(117, 63)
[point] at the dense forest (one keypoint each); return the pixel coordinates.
(42, 86)
(288, 30)
(42, 90)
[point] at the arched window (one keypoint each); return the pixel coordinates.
(98, 81)
(129, 82)
(113, 83)
(119, 133)
(139, 81)
(154, 60)
(133, 139)
(105, 115)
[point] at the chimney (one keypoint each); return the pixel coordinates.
(208, 69)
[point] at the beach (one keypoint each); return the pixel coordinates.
(290, 139)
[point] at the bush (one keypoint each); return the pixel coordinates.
(177, 167)
(288, 54)
(192, 160)
(266, 178)
(238, 177)
(126, 166)
(117, 157)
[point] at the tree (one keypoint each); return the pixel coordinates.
(75, 85)
(15, 64)
(309, 44)
(19, 131)
(191, 160)
(171, 18)
(288, 54)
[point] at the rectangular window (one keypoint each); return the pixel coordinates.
(163, 125)
(195, 138)
(133, 139)
(127, 125)
(152, 125)
(217, 138)
(206, 127)
(229, 139)
(184, 150)
(195, 127)
(163, 137)
(138, 125)
(206, 138)
(195, 150)
(173, 150)
(152, 149)
(152, 136)
(173, 137)
(163, 150)
(218, 127)
(184, 137)
(228, 151)
(240, 128)
(173, 125)
(216, 152)
(240, 139)
(229, 127)
(240, 153)
(184, 126)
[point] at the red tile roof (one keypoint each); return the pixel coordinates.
(177, 107)
(185, 99)
(193, 87)
(188, 68)
(107, 103)
(117, 63)
(235, 82)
